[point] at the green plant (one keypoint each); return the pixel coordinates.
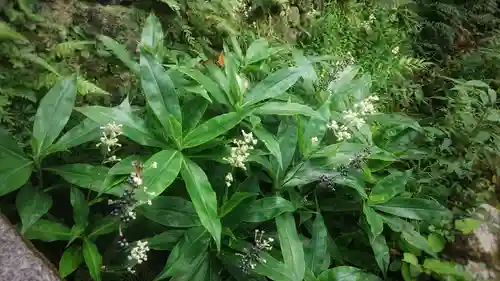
(230, 168)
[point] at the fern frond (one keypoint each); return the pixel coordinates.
(68, 48)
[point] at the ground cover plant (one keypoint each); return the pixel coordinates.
(338, 155)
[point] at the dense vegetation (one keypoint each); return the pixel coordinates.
(250, 139)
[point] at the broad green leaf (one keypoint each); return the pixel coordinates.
(152, 36)
(374, 220)
(287, 139)
(467, 225)
(315, 128)
(171, 211)
(207, 83)
(80, 207)
(234, 201)
(15, 167)
(317, 255)
(32, 203)
(447, 268)
(133, 127)
(48, 231)
(53, 113)
(266, 208)
(436, 241)
(70, 260)
(165, 240)
(194, 109)
(381, 252)
(93, 259)
(389, 186)
(85, 176)
(413, 208)
(291, 246)
(161, 94)
(86, 131)
(203, 198)
(270, 142)
(346, 273)
(186, 253)
(285, 108)
(273, 269)
(120, 52)
(212, 128)
(160, 171)
(103, 225)
(273, 85)
(417, 240)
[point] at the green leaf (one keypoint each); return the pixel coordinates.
(120, 52)
(285, 108)
(152, 36)
(8, 33)
(186, 253)
(161, 94)
(160, 171)
(234, 201)
(32, 203)
(48, 231)
(53, 113)
(389, 186)
(133, 127)
(80, 207)
(374, 220)
(212, 128)
(447, 268)
(70, 260)
(15, 167)
(270, 142)
(417, 240)
(171, 211)
(86, 131)
(266, 208)
(273, 85)
(166, 240)
(287, 139)
(103, 225)
(207, 83)
(346, 273)
(203, 198)
(85, 176)
(317, 255)
(291, 246)
(273, 269)
(381, 252)
(413, 208)
(467, 225)
(436, 242)
(93, 259)
(194, 108)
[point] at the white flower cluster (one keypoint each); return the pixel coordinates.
(251, 256)
(367, 25)
(353, 118)
(239, 154)
(229, 179)
(110, 134)
(139, 253)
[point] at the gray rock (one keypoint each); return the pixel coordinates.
(19, 260)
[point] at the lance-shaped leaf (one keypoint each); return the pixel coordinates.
(203, 198)
(53, 113)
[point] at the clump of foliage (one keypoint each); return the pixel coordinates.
(251, 168)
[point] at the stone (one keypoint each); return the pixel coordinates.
(19, 259)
